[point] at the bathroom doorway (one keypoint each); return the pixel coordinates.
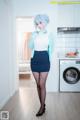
(24, 28)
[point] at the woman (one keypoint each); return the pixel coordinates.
(41, 43)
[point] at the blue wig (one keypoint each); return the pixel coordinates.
(41, 18)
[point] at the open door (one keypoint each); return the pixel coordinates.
(25, 27)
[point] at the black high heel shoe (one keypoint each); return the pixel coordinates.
(45, 106)
(40, 113)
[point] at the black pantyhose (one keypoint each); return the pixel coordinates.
(41, 87)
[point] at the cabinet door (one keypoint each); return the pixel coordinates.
(65, 15)
(77, 15)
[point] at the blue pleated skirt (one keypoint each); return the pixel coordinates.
(40, 61)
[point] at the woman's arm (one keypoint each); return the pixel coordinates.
(31, 41)
(51, 45)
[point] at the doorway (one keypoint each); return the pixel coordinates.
(24, 28)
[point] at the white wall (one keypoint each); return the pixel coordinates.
(29, 8)
(7, 59)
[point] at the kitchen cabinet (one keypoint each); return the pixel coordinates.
(65, 16)
(69, 15)
(77, 15)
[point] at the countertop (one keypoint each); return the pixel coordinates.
(69, 58)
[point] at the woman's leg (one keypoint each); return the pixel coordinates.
(42, 83)
(37, 76)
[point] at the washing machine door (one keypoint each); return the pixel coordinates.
(71, 75)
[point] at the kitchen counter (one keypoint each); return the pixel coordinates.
(69, 58)
(70, 53)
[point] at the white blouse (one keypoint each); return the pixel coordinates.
(41, 41)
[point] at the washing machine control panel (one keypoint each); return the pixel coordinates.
(77, 61)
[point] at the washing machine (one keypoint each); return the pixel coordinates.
(69, 75)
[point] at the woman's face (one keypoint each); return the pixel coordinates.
(40, 25)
